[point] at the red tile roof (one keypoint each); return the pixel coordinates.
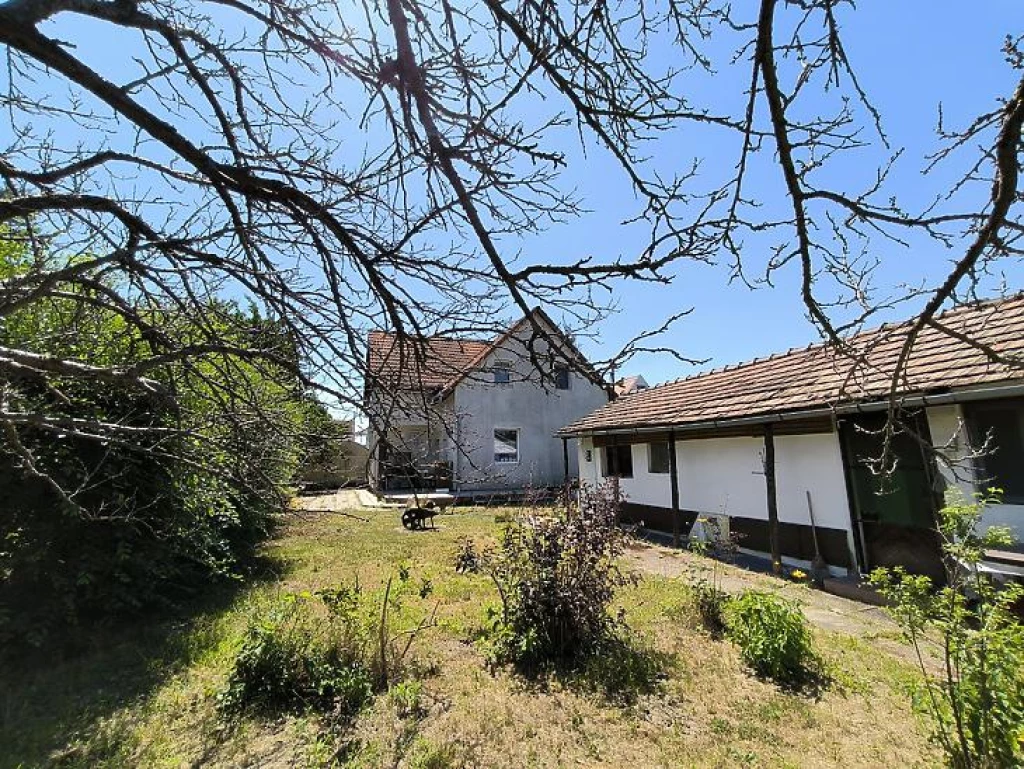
(420, 362)
(439, 363)
(821, 376)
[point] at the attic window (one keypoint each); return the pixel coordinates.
(561, 377)
(502, 372)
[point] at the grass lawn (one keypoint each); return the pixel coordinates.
(145, 695)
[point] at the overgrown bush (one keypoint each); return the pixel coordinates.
(976, 705)
(556, 576)
(328, 651)
(773, 636)
(98, 526)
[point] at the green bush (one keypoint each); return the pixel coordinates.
(151, 520)
(297, 656)
(772, 635)
(976, 705)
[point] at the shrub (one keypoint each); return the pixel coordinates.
(328, 651)
(976, 706)
(556, 577)
(772, 635)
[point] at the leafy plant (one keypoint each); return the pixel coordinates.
(976, 705)
(772, 635)
(328, 651)
(556, 577)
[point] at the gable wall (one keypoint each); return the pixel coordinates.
(537, 412)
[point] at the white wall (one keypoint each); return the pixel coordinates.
(949, 437)
(723, 476)
(589, 470)
(537, 412)
(811, 463)
(726, 476)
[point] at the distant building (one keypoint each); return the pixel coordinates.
(630, 385)
(475, 416)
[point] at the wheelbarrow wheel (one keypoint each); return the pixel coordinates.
(409, 519)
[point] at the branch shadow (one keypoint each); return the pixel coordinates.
(56, 701)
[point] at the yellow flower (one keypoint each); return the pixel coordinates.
(797, 574)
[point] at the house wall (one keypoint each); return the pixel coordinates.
(536, 410)
(725, 476)
(950, 439)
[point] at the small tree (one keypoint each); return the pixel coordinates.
(976, 703)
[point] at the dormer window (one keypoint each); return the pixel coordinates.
(502, 372)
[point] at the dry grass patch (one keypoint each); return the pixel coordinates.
(706, 710)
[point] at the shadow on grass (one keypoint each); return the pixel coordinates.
(57, 701)
(618, 669)
(811, 680)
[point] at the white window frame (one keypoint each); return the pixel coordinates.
(514, 461)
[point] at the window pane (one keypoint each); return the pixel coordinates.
(1003, 466)
(561, 377)
(502, 373)
(618, 461)
(658, 457)
(506, 445)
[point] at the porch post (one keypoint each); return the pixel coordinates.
(673, 472)
(773, 506)
(565, 478)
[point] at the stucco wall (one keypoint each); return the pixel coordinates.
(949, 436)
(523, 404)
(726, 476)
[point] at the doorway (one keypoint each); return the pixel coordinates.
(893, 515)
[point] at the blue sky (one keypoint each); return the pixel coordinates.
(910, 57)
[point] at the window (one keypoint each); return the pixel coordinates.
(502, 372)
(618, 461)
(506, 445)
(658, 457)
(561, 377)
(1002, 424)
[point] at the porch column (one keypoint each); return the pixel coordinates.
(565, 459)
(773, 505)
(673, 472)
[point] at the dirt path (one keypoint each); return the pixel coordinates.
(822, 609)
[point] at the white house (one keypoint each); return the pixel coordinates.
(476, 417)
(797, 432)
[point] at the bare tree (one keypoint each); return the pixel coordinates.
(360, 165)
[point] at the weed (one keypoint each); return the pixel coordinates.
(773, 637)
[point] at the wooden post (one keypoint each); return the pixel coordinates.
(673, 472)
(773, 505)
(565, 480)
